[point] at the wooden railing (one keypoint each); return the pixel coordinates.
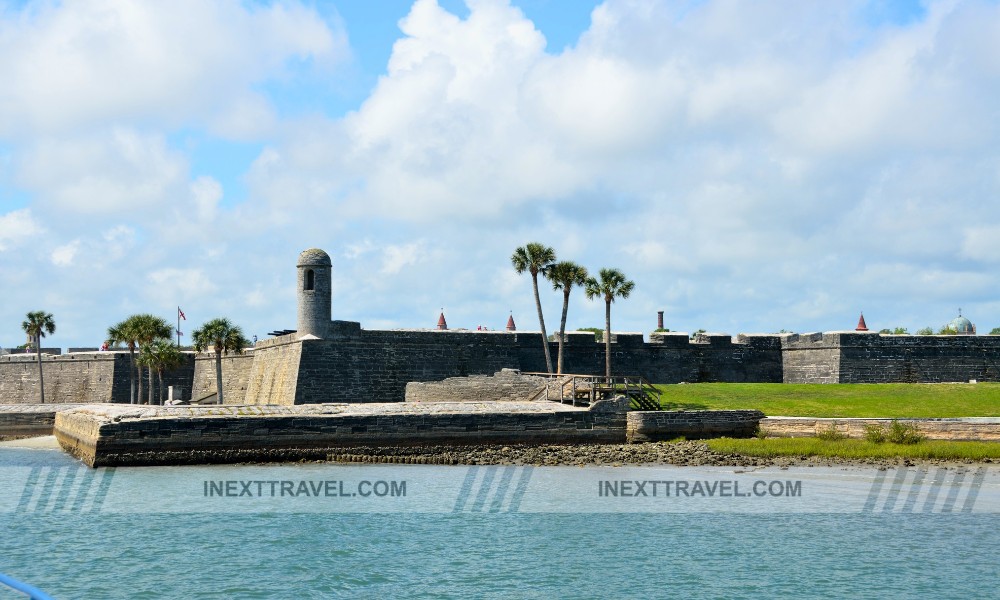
(584, 390)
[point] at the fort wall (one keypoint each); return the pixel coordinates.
(361, 366)
(506, 386)
(236, 369)
(91, 377)
(847, 357)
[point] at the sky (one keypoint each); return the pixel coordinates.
(753, 167)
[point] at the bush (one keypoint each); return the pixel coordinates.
(830, 434)
(995, 331)
(874, 433)
(896, 433)
(925, 331)
(904, 433)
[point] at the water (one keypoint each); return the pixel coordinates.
(140, 541)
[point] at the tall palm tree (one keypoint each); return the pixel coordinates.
(161, 355)
(565, 276)
(125, 333)
(612, 284)
(223, 337)
(149, 328)
(37, 324)
(536, 258)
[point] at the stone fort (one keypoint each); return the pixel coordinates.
(327, 360)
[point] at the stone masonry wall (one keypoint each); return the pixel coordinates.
(649, 426)
(91, 377)
(875, 358)
(274, 372)
(70, 378)
(506, 386)
(810, 358)
(119, 436)
(868, 358)
(235, 376)
(375, 366)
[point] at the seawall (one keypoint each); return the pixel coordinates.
(123, 435)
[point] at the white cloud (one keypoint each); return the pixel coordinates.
(751, 166)
(182, 284)
(121, 171)
(207, 193)
(16, 227)
(117, 59)
(396, 258)
(62, 256)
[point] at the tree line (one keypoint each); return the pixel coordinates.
(536, 258)
(150, 336)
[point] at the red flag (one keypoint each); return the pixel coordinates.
(180, 313)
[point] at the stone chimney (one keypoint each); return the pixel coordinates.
(659, 319)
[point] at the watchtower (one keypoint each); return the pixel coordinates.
(314, 274)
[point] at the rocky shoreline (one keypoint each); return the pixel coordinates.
(686, 453)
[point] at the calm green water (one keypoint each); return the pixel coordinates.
(323, 555)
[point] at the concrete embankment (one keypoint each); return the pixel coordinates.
(984, 429)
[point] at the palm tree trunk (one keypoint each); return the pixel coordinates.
(607, 339)
(149, 371)
(562, 330)
(159, 377)
(138, 371)
(218, 376)
(131, 374)
(541, 323)
(41, 379)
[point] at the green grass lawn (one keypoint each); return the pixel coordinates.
(856, 449)
(890, 400)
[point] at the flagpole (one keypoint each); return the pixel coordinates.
(178, 330)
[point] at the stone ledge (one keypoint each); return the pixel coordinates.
(123, 435)
(648, 426)
(986, 429)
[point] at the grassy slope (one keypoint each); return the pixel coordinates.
(927, 449)
(839, 400)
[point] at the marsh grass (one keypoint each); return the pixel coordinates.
(855, 449)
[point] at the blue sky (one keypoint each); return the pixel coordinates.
(754, 167)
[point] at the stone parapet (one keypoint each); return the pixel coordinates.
(650, 426)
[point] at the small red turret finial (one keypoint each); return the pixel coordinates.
(442, 324)
(510, 323)
(862, 326)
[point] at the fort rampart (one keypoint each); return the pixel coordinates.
(354, 365)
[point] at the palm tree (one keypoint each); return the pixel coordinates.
(36, 325)
(536, 258)
(613, 284)
(565, 276)
(135, 332)
(125, 333)
(224, 337)
(161, 355)
(149, 328)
